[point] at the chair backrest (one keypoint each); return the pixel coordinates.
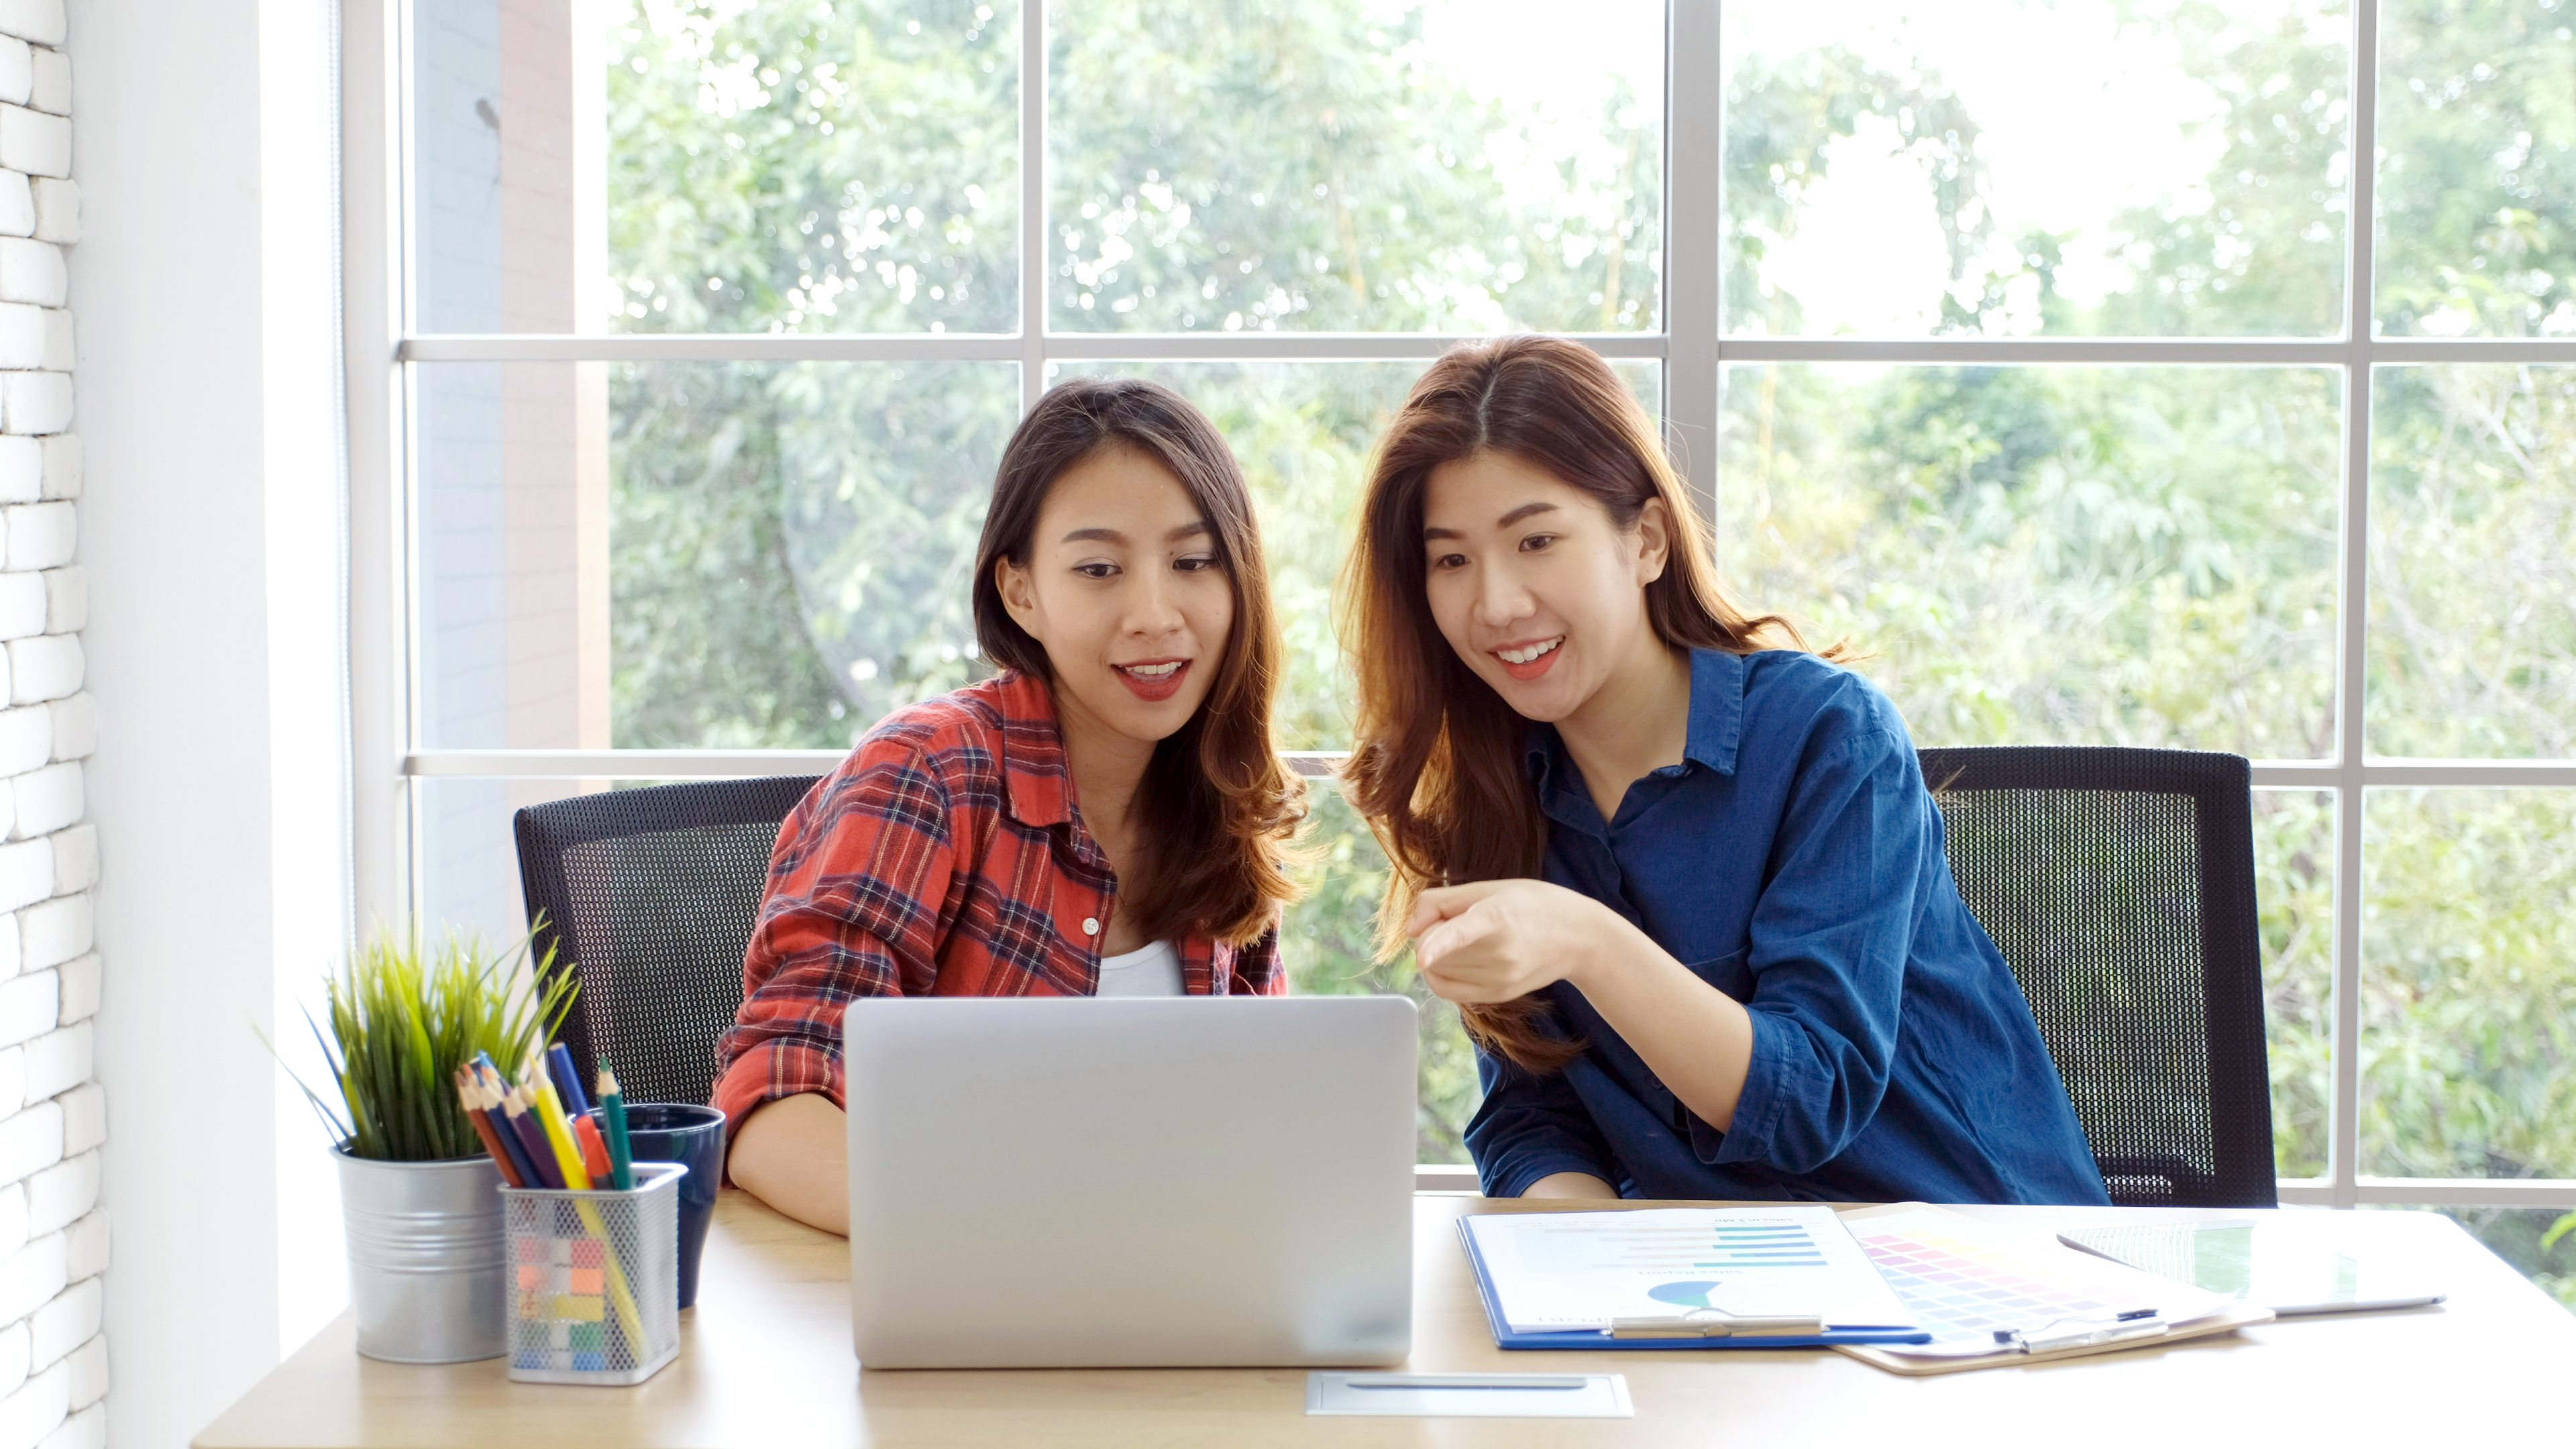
(2119, 884)
(647, 898)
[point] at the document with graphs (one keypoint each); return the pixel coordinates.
(1552, 1273)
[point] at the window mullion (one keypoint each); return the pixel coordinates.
(1693, 223)
(1033, 188)
(2343, 1145)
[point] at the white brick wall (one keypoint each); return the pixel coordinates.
(53, 1113)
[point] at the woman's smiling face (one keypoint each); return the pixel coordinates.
(1533, 584)
(1126, 592)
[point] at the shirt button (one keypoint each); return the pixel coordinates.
(1091, 925)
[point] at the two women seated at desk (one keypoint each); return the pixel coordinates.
(1682, 875)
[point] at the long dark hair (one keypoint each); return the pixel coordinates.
(1216, 805)
(1437, 764)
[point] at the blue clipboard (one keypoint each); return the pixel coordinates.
(1504, 1337)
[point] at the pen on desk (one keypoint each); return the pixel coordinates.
(621, 1148)
(2083, 1333)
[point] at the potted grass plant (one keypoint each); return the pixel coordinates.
(418, 1195)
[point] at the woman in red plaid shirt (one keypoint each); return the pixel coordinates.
(1104, 817)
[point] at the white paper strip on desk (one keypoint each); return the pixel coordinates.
(1556, 1272)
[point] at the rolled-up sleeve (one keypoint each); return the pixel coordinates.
(1829, 941)
(856, 885)
(1529, 1127)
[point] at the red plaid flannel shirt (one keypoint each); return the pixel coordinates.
(943, 858)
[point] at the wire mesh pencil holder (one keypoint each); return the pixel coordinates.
(595, 1280)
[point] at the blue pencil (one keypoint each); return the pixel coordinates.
(490, 1082)
(567, 1081)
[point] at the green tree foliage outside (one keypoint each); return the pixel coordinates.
(2132, 555)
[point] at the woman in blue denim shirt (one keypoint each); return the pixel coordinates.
(1682, 876)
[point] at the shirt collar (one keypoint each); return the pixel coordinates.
(1716, 709)
(1716, 721)
(1034, 773)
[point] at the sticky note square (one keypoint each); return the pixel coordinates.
(589, 1362)
(532, 1308)
(589, 1337)
(559, 1335)
(529, 1359)
(532, 1277)
(528, 1249)
(588, 1253)
(577, 1308)
(559, 1250)
(586, 1280)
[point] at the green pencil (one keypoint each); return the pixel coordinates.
(621, 1153)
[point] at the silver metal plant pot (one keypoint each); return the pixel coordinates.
(425, 1258)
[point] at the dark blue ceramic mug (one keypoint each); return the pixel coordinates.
(693, 1137)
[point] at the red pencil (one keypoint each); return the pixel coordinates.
(465, 1096)
(594, 1149)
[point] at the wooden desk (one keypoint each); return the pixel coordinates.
(765, 1360)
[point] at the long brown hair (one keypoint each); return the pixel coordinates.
(1216, 805)
(1437, 760)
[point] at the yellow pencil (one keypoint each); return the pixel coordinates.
(550, 1116)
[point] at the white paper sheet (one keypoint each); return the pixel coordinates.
(1577, 1270)
(1964, 1280)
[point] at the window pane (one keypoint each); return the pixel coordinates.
(1327, 944)
(676, 555)
(2294, 860)
(2139, 556)
(2020, 167)
(2468, 986)
(770, 166)
(1302, 431)
(469, 861)
(1355, 165)
(2477, 185)
(2473, 562)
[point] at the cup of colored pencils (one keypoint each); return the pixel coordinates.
(593, 1238)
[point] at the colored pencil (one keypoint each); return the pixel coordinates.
(567, 1081)
(550, 1116)
(621, 1149)
(490, 1091)
(532, 1138)
(594, 1150)
(469, 1097)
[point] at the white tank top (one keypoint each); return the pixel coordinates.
(1153, 971)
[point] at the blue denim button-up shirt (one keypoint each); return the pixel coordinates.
(1792, 860)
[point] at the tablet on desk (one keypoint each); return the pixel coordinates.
(2269, 1265)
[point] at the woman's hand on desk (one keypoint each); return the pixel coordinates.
(794, 1154)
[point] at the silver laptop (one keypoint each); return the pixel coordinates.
(1079, 1182)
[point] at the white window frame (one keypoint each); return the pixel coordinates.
(1692, 348)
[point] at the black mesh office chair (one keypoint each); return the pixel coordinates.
(2119, 884)
(648, 897)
